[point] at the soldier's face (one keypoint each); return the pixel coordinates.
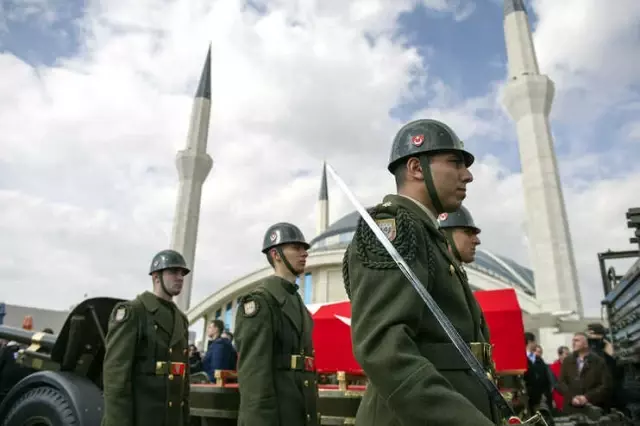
(466, 240)
(296, 254)
(450, 177)
(173, 280)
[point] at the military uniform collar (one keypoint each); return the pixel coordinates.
(425, 210)
(280, 288)
(414, 206)
(150, 301)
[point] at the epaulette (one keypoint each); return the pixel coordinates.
(398, 225)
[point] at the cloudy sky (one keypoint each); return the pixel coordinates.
(95, 99)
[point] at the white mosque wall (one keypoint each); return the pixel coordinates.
(321, 283)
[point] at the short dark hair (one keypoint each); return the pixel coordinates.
(269, 258)
(561, 350)
(400, 172)
(529, 337)
(219, 324)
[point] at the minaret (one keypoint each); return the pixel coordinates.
(323, 203)
(194, 165)
(528, 96)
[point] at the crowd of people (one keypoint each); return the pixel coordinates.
(579, 380)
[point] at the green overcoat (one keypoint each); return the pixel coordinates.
(484, 327)
(272, 325)
(416, 376)
(146, 365)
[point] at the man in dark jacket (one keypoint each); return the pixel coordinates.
(584, 378)
(537, 378)
(220, 353)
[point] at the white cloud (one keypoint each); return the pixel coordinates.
(590, 49)
(87, 175)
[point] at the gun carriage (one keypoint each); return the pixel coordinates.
(622, 305)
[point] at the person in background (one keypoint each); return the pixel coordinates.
(558, 400)
(537, 377)
(220, 353)
(195, 360)
(229, 336)
(584, 378)
(603, 348)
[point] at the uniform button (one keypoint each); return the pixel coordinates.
(170, 404)
(182, 404)
(170, 350)
(184, 352)
(155, 326)
(170, 376)
(306, 383)
(308, 417)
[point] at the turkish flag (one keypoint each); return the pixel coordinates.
(332, 338)
(334, 351)
(504, 319)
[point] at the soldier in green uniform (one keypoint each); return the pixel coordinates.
(416, 376)
(276, 371)
(146, 365)
(462, 235)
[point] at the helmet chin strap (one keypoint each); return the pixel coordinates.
(428, 180)
(164, 288)
(452, 244)
(286, 262)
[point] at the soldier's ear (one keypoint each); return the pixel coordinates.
(414, 168)
(274, 254)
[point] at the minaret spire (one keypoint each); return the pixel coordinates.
(528, 97)
(514, 6)
(204, 86)
(194, 165)
(324, 193)
(323, 203)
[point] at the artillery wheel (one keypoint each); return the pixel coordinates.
(43, 406)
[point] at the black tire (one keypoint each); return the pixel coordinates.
(43, 406)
